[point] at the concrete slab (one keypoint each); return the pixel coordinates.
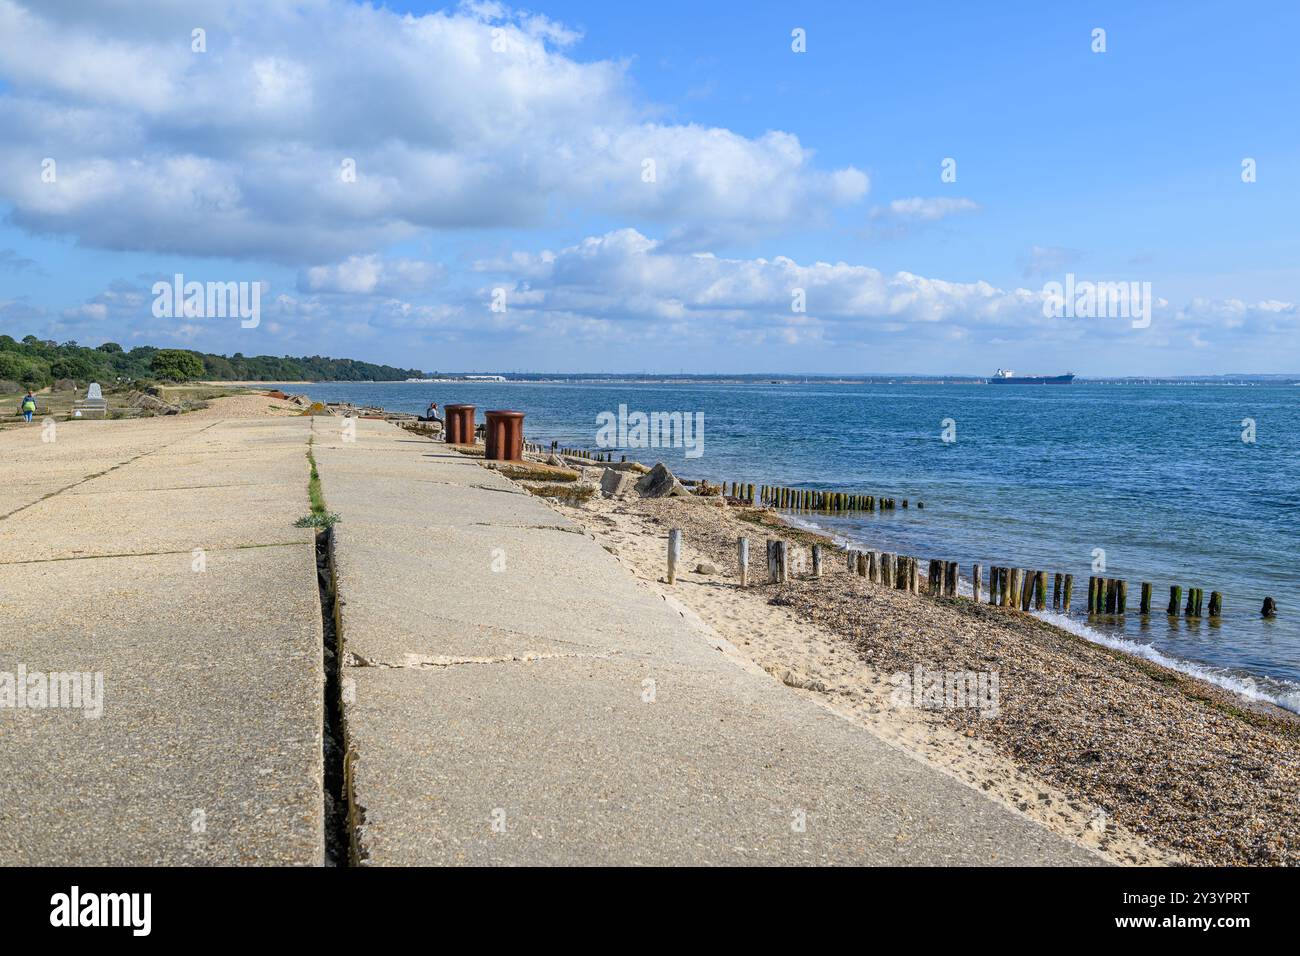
(208, 749)
(211, 711)
(516, 695)
(567, 755)
(138, 522)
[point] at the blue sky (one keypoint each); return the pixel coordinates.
(501, 157)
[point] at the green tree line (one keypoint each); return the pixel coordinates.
(36, 363)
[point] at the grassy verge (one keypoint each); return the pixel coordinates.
(320, 517)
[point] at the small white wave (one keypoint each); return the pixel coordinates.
(1286, 694)
(1283, 693)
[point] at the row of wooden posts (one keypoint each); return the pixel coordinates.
(555, 449)
(809, 499)
(797, 499)
(1007, 587)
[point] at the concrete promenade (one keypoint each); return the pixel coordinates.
(208, 749)
(513, 696)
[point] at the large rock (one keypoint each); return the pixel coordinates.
(615, 483)
(154, 405)
(661, 483)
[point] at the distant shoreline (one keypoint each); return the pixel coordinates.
(592, 378)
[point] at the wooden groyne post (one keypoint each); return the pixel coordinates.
(742, 557)
(1270, 608)
(1144, 607)
(817, 560)
(1069, 593)
(975, 581)
(674, 553)
(1175, 599)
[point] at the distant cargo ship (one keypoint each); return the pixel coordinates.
(1004, 376)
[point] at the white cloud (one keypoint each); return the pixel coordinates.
(371, 275)
(646, 289)
(922, 209)
(240, 151)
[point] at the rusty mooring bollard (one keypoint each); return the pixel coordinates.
(504, 439)
(460, 424)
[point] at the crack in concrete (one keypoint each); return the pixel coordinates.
(149, 554)
(568, 529)
(101, 474)
(442, 662)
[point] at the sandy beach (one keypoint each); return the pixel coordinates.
(1144, 764)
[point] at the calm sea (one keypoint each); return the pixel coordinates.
(1158, 477)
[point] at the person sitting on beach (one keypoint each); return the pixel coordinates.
(431, 414)
(28, 406)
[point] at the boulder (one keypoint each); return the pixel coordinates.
(154, 405)
(616, 483)
(706, 567)
(661, 483)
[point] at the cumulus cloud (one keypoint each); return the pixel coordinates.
(647, 289)
(314, 131)
(372, 275)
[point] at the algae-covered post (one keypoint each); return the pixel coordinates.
(1175, 599)
(1145, 605)
(1270, 608)
(674, 553)
(1216, 604)
(1069, 592)
(1056, 591)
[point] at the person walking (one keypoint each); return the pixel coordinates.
(28, 406)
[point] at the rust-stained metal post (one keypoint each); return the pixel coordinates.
(460, 424)
(505, 435)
